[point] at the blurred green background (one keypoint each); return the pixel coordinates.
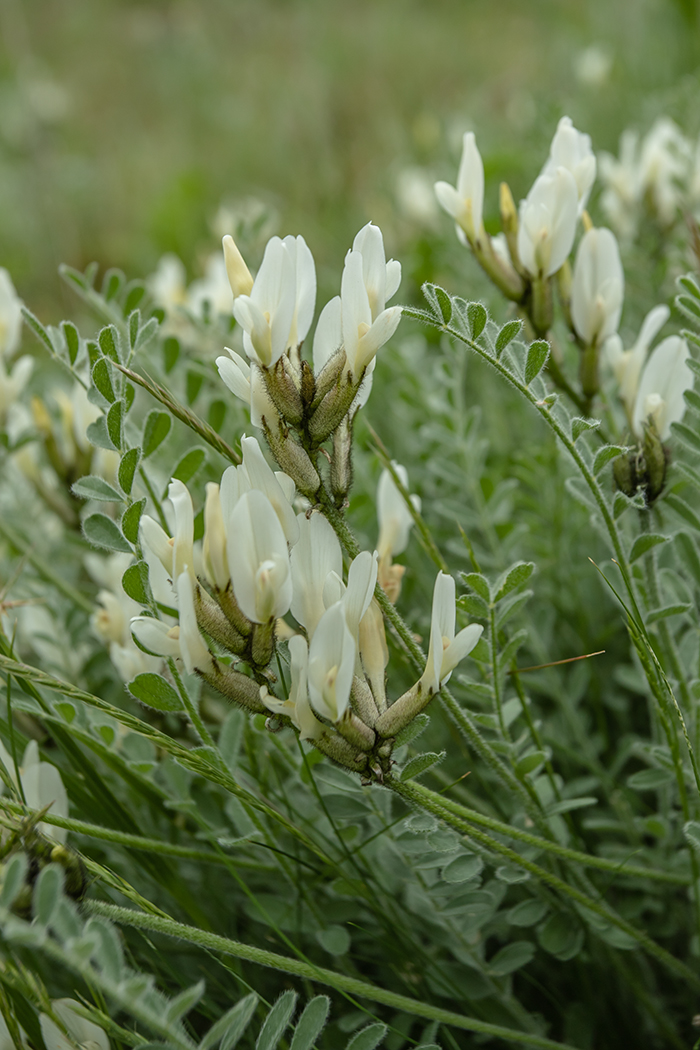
(125, 124)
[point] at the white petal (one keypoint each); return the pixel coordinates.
(328, 337)
(316, 555)
(331, 664)
(262, 478)
(258, 559)
(193, 649)
(362, 579)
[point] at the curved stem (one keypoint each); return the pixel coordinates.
(296, 967)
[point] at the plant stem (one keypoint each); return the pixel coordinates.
(341, 982)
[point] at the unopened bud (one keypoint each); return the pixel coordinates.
(293, 460)
(328, 376)
(308, 383)
(334, 407)
(341, 461)
(262, 643)
(655, 461)
(213, 621)
(239, 276)
(236, 687)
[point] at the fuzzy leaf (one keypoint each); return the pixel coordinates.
(72, 338)
(94, 487)
(114, 423)
(47, 893)
(605, 454)
(101, 531)
(511, 958)
(131, 519)
(127, 468)
(153, 690)
(184, 1002)
(102, 378)
(477, 316)
(579, 426)
(134, 582)
(506, 335)
(232, 1025)
(108, 340)
(667, 610)
(527, 913)
(689, 437)
(537, 355)
(412, 730)
(419, 764)
(276, 1021)
(646, 542)
(683, 510)
(189, 465)
(478, 583)
(311, 1023)
(155, 430)
(512, 578)
(368, 1038)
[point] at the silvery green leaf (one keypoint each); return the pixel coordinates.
(311, 1023)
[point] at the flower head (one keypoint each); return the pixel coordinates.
(598, 287)
(445, 650)
(548, 222)
(465, 202)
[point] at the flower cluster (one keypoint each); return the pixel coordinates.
(658, 175)
(259, 562)
(530, 259)
(299, 407)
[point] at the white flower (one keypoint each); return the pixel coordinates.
(258, 558)
(660, 395)
(193, 649)
(246, 382)
(395, 519)
(328, 339)
(83, 1033)
(42, 786)
(168, 284)
(571, 149)
(183, 537)
(278, 312)
(465, 202)
(10, 316)
(381, 278)
(331, 664)
(362, 579)
(214, 544)
(445, 650)
(598, 287)
(363, 335)
(213, 288)
(261, 477)
(415, 196)
(12, 383)
(592, 66)
(314, 557)
(297, 707)
(663, 162)
(548, 223)
(627, 364)
(156, 637)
